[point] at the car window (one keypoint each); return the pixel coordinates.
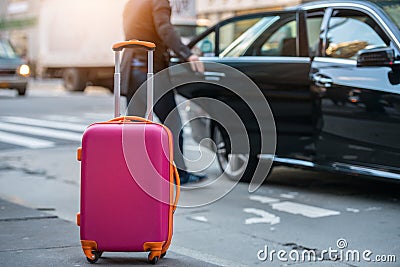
(313, 33)
(6, 51)
(228, 33)
(271, 36)
(231, 31)
(188, 32)
(206, 46)
(350, 32)
(282, 42)
(392, 8)
(246, 40)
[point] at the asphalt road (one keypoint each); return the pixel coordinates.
(297, 218)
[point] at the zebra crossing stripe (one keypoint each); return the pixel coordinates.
(28, 142)
(40, 131)
(294, 207)
(304, 210)
(44, 123)
(264, 217)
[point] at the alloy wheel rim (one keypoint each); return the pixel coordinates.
(232, 164)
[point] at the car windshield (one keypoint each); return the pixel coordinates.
(6, 51)
(392, 8)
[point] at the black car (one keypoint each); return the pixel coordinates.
(13, 69)
(331, 74)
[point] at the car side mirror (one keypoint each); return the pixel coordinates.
(378, 57)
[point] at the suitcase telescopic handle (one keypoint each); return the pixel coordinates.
(133, 44)
(118, 47)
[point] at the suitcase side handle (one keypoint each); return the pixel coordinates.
(133, 44)
(173, 206)
(178, 188)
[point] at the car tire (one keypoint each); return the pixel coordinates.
(237, 167)
(74, 79)
(106, 83)
(21, 91)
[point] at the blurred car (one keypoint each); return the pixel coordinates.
(14, 71)
(330, 71)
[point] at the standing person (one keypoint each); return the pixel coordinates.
(150, 20)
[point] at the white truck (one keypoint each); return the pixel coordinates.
(73, 38)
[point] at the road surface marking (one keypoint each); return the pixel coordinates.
(187, 130)
(194, 148)
(353, 210)
(302, 209)
(263, 199)
(290, 195)
(99, 116)
(65, 118)
(40, 131)
(199, 218)
(211, 259)
(44, 123)
(24, 141)
(265, 217)
(373, 208)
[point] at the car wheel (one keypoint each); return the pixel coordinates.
(22, 91)
(107, 83)
(238, 167)
(74, 79)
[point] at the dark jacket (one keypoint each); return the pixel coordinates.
(149, 20)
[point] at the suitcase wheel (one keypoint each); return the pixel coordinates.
(97, 256)
(153, 257)
(163, 255)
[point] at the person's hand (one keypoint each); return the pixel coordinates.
(196, 64)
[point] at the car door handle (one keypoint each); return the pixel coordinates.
(213, 76)
(322, 81)
(175, 60)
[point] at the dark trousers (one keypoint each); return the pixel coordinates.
(165, 109)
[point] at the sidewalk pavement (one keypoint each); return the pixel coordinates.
(29, 237)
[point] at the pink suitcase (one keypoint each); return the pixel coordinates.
(127, 180)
